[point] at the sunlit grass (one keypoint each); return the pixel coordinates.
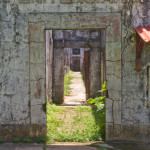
(74, 124)
(67, 81)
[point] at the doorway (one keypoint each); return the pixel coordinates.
(111, 23)
(77, 51)
(77, 58)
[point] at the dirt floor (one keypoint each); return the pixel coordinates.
(77, 95)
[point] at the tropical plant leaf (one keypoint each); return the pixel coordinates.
(102, 97)
(96, 100)
(102, 90)
(104, 85)
(91, 101)
(101, 102)
(100, 107)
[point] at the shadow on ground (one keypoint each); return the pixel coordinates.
(101, 146)
(76, 146)
(121, 146)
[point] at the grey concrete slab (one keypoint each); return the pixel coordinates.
(67, 147)
(99, 146)
(21, 146)
(77, 146)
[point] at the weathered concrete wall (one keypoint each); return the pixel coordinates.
(58, 76)
(82, 57)
(67, 55)
(49, 64)
(94, 72)
(127, 109)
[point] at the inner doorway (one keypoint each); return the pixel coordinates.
(75, 50)
(79, 54)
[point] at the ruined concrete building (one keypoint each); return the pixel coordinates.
(26, 25)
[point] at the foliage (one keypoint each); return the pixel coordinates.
(41, 139)
(2, 140)
(100, 104)
(27, 140)
(16, 140)
(73, 124)
(67, 82)
(99, 101)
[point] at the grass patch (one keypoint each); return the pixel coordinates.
(27, 140)
(41, 139)
(67, 82)
(2, 140)
(16, 140)
(74, 124)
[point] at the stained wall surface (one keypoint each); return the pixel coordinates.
(22, 94)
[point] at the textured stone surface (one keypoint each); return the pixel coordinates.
(8, 132)
(21, 147)
(94, 71)
(49, 63)
(58, 76)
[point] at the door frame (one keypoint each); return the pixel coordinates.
(111, 23)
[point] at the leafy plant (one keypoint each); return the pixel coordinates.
(99, 101)
(27, 140)
(2, 140)
(41, 139)
(16, 140)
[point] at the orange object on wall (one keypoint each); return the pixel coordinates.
(144, 33)
(142, 37)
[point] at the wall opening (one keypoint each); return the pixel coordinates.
(78, 51)
(111, 23)
(79, 54)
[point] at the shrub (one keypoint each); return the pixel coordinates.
(2, 140)
(27, 140)
(41, 139)
(16, 140)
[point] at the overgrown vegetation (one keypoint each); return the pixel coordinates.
(73, 124)
(67, 81)
(99, 102)
(16, 140)
(41, 139)
(27, 140)
(2, 140)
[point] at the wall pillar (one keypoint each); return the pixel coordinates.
(58, 76)
(49, 62)
(94, 72)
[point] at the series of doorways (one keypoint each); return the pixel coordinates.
(90, 58)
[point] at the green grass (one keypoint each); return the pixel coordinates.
(27, 140)
(74, 124)
(67, 82)
(2, 140)
(16, 140)
(41, 139)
